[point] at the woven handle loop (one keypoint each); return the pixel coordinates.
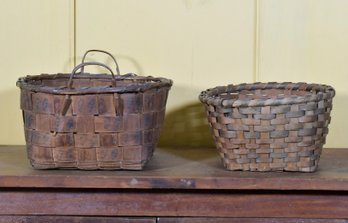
(82, 65)
(100, 51)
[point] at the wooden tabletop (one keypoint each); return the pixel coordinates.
(175, 168)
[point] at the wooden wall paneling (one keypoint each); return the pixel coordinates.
(36, 37)
(198, 44)
(307, 41)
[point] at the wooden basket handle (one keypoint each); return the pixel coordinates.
(100, 51)
(82, 65)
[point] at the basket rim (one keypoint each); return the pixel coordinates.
(316, 92)
(141, 84)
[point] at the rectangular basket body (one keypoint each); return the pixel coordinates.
(100, 130)
(263, 129)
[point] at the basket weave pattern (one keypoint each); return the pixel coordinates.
(269, 126)
(102, 128)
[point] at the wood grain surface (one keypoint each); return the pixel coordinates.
(247, 220)
(174, 203)
(73, 219)
(175, 168)
(178, 186)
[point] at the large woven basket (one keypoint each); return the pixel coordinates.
(92, 121)
(269, 126)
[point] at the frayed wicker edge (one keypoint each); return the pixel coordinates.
(143, 84)
(316, 92)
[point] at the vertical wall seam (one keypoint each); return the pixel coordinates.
(256, 76)
(74, 42)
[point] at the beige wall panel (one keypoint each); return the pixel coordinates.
(307, 41)
(36, 37)
(223, 42)
(197, 43)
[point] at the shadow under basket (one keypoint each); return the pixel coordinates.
(269, 126)
(95, 121)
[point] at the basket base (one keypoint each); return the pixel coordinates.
(75, 166)
(52, 158)
(270, 167)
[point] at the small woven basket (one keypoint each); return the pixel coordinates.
(269, 126)
(92, 121)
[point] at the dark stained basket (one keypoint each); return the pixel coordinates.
(269, 126)
(92, 121)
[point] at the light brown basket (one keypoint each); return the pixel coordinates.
(269, 126)
(92, 121)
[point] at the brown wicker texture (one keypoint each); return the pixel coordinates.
(100, 122)
(269, 126)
